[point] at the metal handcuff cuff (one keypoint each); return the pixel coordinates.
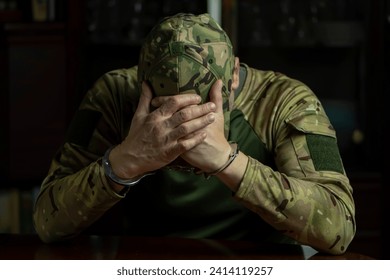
(233, 154)
(131, 182)
(111, 175)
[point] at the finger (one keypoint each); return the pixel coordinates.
(188, 143)
(168, 105)
(144, 100)
(216, 96)
(190, 113)
(159, 100)
(191, 135)
(185, 130)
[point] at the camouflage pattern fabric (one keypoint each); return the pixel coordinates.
(186, 53)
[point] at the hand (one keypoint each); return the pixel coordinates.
(157, 137)
(212, 153)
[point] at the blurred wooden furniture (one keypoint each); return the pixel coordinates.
(39, 67)
(30, 247)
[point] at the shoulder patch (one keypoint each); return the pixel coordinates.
(324, 153)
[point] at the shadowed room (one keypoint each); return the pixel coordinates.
(53, 51)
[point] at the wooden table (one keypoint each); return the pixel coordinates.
(30, 247)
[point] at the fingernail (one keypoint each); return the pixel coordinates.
(211, 118)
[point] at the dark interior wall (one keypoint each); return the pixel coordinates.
(384, 116)
(323, 44)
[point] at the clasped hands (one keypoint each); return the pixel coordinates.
(165, 128)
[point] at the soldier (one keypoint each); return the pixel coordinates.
(193, 143)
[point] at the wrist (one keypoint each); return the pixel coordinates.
(234, 151)
(233, 175)
(123, 164)
(114, 177)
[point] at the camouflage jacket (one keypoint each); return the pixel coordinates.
(294, 186)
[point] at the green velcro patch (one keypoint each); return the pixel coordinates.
(82, 126)
(324, 153)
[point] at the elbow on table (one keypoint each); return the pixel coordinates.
(44, 230)
(335, 242)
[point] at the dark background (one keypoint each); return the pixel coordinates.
(337, 47)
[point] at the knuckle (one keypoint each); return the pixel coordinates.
(208, 119)
(153, 117)
(182, 129)
(206, 108)
(183, 115)
(172, 102)
(183, 146)
(169, 106)
(157, 130)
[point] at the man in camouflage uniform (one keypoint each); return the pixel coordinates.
(231, 152)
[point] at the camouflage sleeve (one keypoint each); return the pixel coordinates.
(75, 192)
(308, 195)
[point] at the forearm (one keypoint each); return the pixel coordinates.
(310, 212)
(68, 205)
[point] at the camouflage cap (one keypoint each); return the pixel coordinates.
(187, 53)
